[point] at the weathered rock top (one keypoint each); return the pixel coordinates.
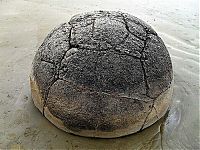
(109, 52)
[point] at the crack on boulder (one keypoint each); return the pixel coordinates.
(156, 111)
(82, 46)
(48, 61)
(135, 99)
(56, 76)
(145, 120)
(142, 59)
(127, 54)
(127, 28)
(146, 27)
(152, 107)
(147, 88)
(69, 54)
(80, 22)
(85, 89)
(70, 46)
(47, 93)
(93, 27)
(124, 53)
(95, 66)
(145, 77)
(122, 42)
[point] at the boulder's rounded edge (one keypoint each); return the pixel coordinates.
(36, 94)
(162, 103)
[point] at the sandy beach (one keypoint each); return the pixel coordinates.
(23, 26)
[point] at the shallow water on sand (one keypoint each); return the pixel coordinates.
(23, 26)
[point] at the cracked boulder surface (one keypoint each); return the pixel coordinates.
(102, 74)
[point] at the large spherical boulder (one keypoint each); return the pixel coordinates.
(102, 74)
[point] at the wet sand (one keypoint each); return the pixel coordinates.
(23, 26)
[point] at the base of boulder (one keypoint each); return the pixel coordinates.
(161, 105)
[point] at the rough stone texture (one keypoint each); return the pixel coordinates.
(102, 74)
